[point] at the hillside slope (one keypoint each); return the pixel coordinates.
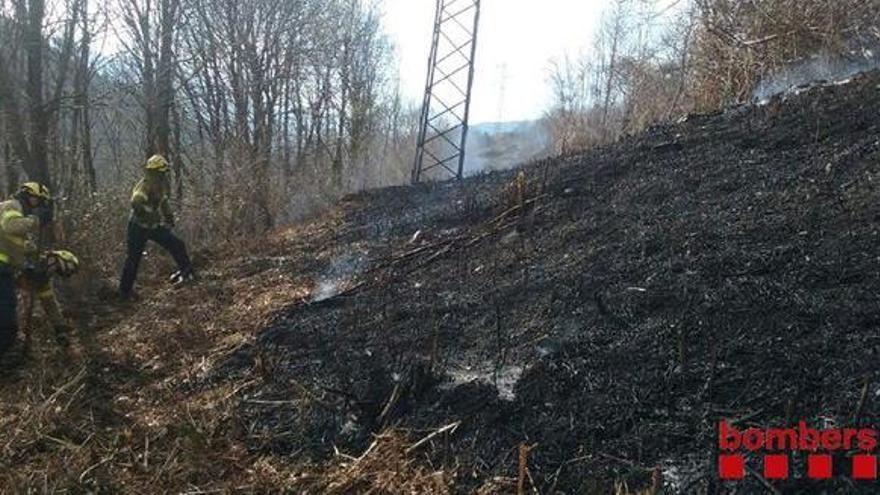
(725, 267)
(722, 267)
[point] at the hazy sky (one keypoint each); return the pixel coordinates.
(517, 38)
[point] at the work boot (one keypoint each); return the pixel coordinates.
(183, 277)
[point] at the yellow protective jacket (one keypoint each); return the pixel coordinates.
(16, 248)
(15, 228)
(44, 293)
(150, 206)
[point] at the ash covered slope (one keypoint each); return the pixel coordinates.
(725, 267)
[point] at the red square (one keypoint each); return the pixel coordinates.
(819, 467)
(864, 467)
(776, 467)
(731, 467)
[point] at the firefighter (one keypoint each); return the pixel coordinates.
(36, 278)
(152, 220)
(21, 217)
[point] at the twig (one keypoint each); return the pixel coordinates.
(389, 405)
(73, 396)
(448, 428)
(238, 389)
(524, 451)
(439, 253)
(270, 402)
(338, 453)
(82, 477)
(626, 461)
(64, 387)
(862, 399)
(171, 457)
(760, 41)
(746, 417)
(63, 443)
(366, 452)
(308, 393)
(517, 208)
(413, 252)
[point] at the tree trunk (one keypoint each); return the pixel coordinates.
(165, 75)
(36, 163)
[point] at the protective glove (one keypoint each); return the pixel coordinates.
(45, 213)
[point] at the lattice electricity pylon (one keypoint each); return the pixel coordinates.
(443, 125)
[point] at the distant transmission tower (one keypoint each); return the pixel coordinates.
(502, 90)
(443, 125)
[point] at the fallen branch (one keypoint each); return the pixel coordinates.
(517, 208)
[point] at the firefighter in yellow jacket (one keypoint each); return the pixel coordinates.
(21, 217)
(152, 220)
(36, 278)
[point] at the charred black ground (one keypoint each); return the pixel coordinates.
(724, 267)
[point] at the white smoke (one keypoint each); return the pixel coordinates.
(504, 145)
(819, 69)
(337, 277)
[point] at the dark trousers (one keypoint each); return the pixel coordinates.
(137, 240)
(8, 313)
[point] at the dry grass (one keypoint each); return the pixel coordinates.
(386, 467)
(123, 410)
(115, 414)
(738, 44)
(714, 54)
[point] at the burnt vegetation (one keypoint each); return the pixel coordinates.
(720, 268)
(702, 249)
(603, 309)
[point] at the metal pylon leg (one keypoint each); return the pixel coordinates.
(443, 125)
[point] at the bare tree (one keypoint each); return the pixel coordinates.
(266, 108)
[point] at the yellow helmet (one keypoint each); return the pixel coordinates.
(62, 263)
(157, 163)
(36, 190)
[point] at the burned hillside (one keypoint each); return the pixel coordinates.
(623, 302)
(579, 325)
